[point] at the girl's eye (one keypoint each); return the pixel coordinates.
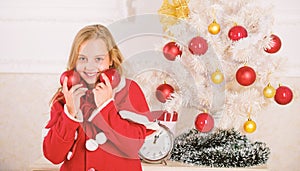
(82, 58)
(99, 59)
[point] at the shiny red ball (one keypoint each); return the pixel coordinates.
(171, 51)
(198, 46)
(113, 76)
(204, 122)
(245, 76)
(275, 44)
(163, 92)
(237, 32)
(73, 78)
(284, 95)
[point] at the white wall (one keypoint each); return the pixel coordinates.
(35, 41)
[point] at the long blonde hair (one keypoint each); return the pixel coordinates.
(87, 33)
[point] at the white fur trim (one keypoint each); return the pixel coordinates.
(76, 135)
(45, 132)
(96, 111)
(69, 155)
(79, 115)
(101, 138)
(91, 145)
(138, 118)
(121, 85)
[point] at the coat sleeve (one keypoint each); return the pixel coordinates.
(60, 135)
(127, 136)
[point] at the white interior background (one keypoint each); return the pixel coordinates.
(35, 40)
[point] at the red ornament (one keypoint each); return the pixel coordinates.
(198, 46)
(237, 32)
(73, 78)
(163, 92)
(113, 76)
(245, 76)
(204, 122)
(274, 45)
(171, 51)
(284, 95)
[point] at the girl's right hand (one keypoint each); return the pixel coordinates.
(73, 96)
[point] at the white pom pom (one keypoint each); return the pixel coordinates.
(91, 145)
(101, 138)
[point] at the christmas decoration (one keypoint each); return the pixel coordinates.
(274, 45)
(73, 78)
(237, 32)
(269, 91)
(249, 126)
(163, 92)
(204, 122)
(217, 77)
(284, 95)
(214, 27)
(222, 148)
(198, 46)
(113, 76)
(171, 51)
(245, 76)
(179, 8)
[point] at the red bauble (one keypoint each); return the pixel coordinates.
(284, 95)
(73, 78)
(204, 122)
(274, 45)
(113, 76)
(237, 32)
(198, 46)
(163, 92)
(245, 76)
(171, 51)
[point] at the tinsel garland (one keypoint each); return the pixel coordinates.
(223, 148)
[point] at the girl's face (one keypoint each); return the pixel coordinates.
(93, 57)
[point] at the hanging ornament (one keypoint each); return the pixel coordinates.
(217, 77)
(214, 28)
(163, 92)
(204, 122)
(198, 46)
(284, 95)
(269, 91)
(245, 76)
(250, 126)
(171, 50)
(237, 32)
(274, 45)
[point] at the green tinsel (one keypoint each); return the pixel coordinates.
(223, 148)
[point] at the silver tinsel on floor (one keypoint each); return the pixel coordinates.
(223, 148)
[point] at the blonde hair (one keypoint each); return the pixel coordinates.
(87, 33)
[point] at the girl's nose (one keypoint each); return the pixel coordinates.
(90, 65)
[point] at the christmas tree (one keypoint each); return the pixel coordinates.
(222, 60)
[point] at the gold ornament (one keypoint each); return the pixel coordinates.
(250, 126)
(217, 77)
(214, 27)
(269, 91)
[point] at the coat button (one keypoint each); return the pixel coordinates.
(91, 145)
(91, 169)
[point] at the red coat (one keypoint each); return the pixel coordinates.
(66, 138)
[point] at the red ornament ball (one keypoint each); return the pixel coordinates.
(284, 95)
(171, 50)
(198, 46)
(274, 45)
(113, 76)
(237, 32)
(204, 122)
(245, 76)
(73, 78)
(163, 92)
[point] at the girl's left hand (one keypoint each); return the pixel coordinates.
(102, 91)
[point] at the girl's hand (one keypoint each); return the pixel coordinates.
(72, 96)
(102, 91)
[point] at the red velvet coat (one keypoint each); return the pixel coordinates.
(66, 137)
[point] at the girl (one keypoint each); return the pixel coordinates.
(94, 127)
